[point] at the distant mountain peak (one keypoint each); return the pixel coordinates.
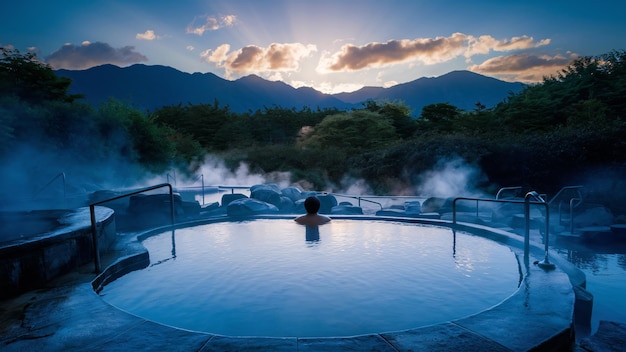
(153, 86)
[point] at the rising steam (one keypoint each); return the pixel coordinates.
(450, 178)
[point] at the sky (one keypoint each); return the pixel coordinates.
(332, 46)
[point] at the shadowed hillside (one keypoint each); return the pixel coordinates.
(151, 87)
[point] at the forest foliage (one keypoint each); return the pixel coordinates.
(544, 136)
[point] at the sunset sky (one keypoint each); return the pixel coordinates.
(332, 46)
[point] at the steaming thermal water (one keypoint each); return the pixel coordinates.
(273, 278)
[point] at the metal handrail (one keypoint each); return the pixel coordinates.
(556, 196)
(233, 188)
(201, 178)
(62, 175)
(507, 189)
(92, 213)
(571, 214)
(172, 177)
(359, 198)
(545, 263)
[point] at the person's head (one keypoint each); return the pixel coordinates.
(312, 205)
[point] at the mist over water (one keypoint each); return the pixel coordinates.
(216, 173)
(35, 174)
(32, 174)
(356, 187)
(36, 177)
(450, 178)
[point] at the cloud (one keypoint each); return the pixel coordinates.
(527, 68)
(87, 55)
(254, 59)
(147, 35)
(486, 43)
(211, 23)
(426, 50)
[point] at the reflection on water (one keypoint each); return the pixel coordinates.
(596, 263)
(606, 280)
(312, 235)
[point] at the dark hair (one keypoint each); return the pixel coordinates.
(312, 204)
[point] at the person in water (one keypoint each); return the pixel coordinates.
(312, 206)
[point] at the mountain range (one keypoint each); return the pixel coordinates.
(151, 87)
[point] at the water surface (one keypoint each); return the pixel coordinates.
(277, 278)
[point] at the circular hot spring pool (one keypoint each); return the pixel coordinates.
(276, 278)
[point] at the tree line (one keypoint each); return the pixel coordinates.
(545, 136)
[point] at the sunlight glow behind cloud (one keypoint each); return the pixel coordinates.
(524, 68)
(486, 43)
(254, 59)
(429, 51)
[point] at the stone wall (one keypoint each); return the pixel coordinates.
(31, 263)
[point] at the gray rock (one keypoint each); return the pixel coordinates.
(250, 206)
(229, 197)
(293, 193)
(286, 205)
(344, 209)
(413, 207)
(158, 203)
(266, 195)
(327, 202)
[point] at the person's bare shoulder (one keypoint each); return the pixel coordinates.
(323, 219)
(300, 219)
(312, 219)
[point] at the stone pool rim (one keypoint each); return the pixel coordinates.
(32, 262)
(539, 314)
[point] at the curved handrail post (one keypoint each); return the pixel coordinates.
(233, 188)
(173, 177)
(571, 213)
(527, 223)
(454, 211)
(507, 189)
(92, 214)
(63, 179)
(202, 177)
(94, 238)
(358, 198)
(562, 190)
(545, 263)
